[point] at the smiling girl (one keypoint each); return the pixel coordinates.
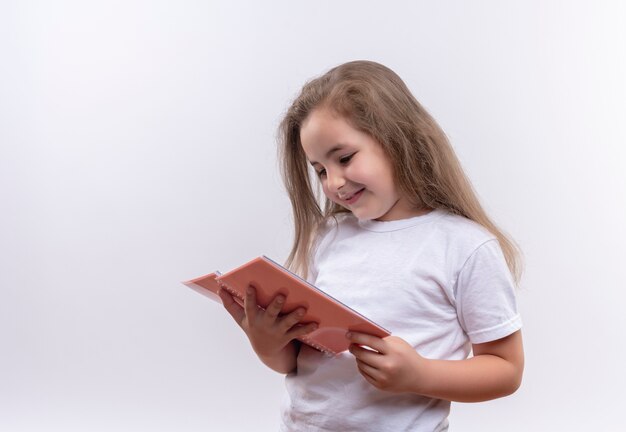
(400, 236)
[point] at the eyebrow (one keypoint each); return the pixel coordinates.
(330, 152)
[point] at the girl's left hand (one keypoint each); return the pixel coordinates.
(394, 366)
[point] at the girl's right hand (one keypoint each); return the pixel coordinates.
(269, 333)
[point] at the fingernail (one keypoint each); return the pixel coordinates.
(280, 299)
(300, 312)
(249, 290)
(348, 335)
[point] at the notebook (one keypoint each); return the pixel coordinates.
(269, 278)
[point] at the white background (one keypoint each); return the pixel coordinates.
(137, 149)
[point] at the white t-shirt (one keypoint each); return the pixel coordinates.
(439, 281)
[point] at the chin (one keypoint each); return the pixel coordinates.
(366, 216)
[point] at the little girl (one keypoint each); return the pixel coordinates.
(402, 238)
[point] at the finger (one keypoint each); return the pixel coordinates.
(365, 355)
(249, 303)
(273, 309)
(368, 340)
(292, 319)
(368, 373)
(231, 306)
(301, 330)
(369, 370)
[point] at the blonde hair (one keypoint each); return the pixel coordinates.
(374, 100)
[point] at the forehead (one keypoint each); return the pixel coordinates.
(324, 132)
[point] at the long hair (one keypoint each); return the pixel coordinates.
(374, 100)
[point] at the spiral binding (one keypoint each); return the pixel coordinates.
(317, 346)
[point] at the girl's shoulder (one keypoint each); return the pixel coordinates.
(465, 228)
(461, 235)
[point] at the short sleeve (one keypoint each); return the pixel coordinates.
(485, 295)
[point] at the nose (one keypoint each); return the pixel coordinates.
(334, 180)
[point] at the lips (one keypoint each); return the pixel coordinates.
(353, 197)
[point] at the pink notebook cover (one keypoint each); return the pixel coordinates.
(269, 279)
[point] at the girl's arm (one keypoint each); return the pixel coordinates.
(271, 335)
(494, 371)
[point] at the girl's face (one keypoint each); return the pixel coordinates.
(352, 167)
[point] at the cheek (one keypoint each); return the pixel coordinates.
(377, 179)
(324, 188)
(327, 193)
(364, 176)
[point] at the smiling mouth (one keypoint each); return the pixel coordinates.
(350, 197)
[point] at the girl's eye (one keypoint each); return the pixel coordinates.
(346, 159)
